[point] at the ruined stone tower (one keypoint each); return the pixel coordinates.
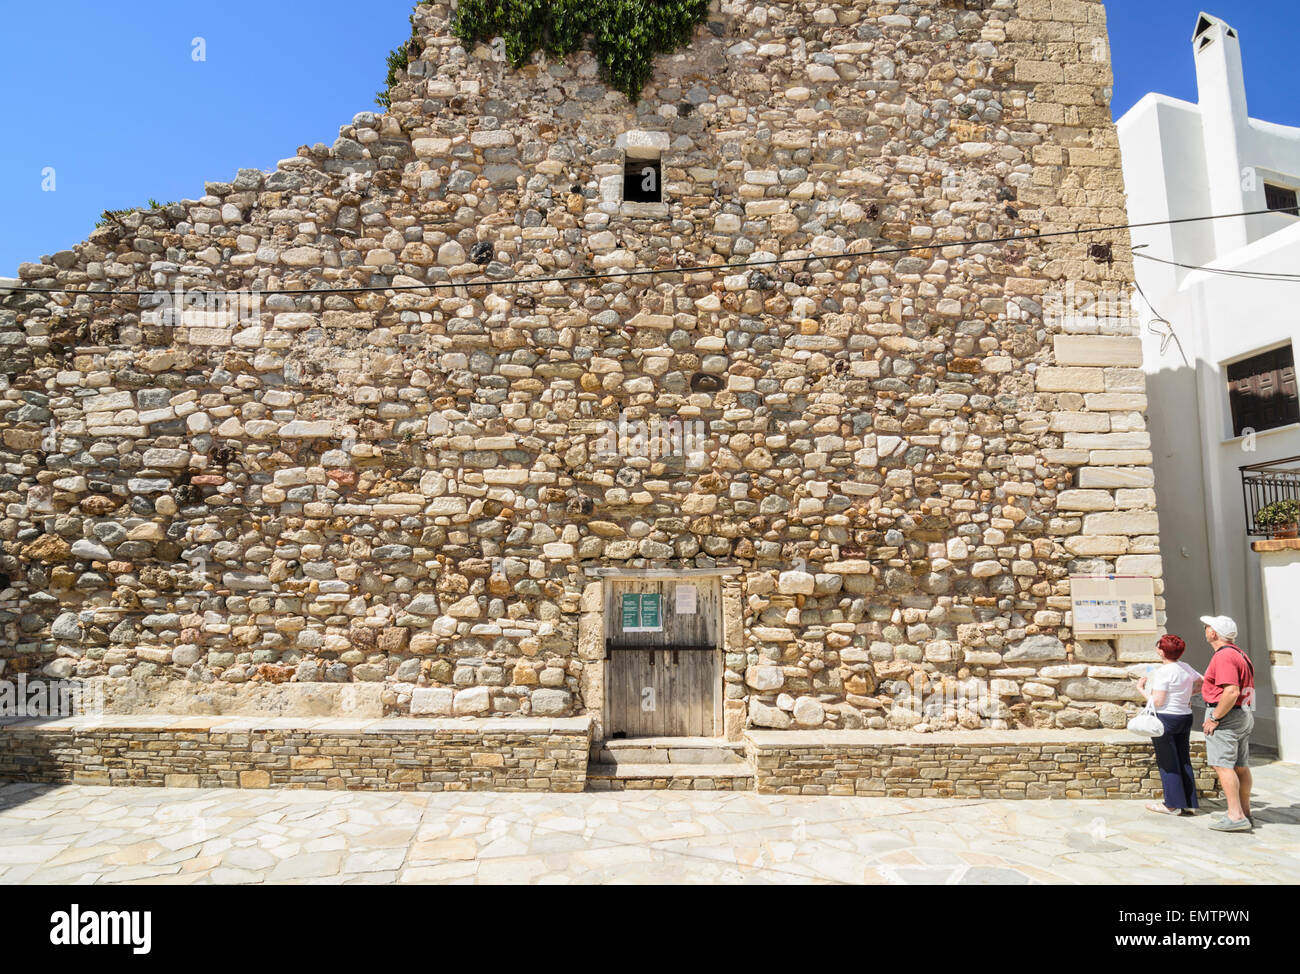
(448, 446)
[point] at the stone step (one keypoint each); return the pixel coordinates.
(669, 750)
(669, 777)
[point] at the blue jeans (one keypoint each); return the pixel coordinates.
(1173, 757)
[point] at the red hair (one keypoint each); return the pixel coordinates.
(1172, 648)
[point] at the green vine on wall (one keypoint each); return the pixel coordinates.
(626, 35)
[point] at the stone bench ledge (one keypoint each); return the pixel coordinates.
(577, 726)
(980, 738)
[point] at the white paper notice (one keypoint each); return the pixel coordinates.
(686, 599)
(1098, 615)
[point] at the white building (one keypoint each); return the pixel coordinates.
(1223, 388)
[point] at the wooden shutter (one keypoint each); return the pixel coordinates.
(1290, 396)
(1263, 391)
(1282, 199)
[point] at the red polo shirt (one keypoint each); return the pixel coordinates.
(1229, 667)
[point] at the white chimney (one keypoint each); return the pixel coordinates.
(1225, 121)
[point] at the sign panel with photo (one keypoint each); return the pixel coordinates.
(1113, 605)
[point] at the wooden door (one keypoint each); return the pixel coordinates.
(664, 678)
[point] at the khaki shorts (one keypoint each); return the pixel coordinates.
(1229, 745)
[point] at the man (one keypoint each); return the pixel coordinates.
(1229, 692)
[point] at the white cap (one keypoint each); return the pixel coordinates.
(1224, 626)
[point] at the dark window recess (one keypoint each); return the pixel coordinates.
(1282, 199)
(643, 181)
(1263, 392)
(706, 382)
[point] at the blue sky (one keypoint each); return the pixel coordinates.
(110, 97)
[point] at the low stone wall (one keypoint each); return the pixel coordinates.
(975, 764)
(293, 752)
(509, 754)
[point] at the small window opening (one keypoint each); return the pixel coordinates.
(1282, 199)
(643, 181)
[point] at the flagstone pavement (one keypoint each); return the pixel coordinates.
(78, 834)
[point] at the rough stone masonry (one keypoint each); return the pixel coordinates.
(364, 479)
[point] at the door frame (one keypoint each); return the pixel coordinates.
(607, 576)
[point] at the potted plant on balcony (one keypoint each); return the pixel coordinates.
(1280, 517)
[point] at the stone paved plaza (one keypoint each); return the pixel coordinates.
(77, 834)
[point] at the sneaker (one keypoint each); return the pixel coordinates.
(1228, 825)
(1223, 817)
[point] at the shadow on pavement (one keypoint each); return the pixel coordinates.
(15, 793)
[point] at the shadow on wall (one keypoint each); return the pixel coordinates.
(1198, 539)
(1173, 421)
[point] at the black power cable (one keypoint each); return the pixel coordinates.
(1224, 271)
(656, 271)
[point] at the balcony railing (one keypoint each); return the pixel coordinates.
(1263, 484)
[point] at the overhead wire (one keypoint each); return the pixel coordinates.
(1223, 271)
(1168, 333)
(655, 271)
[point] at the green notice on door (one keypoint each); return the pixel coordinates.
(642, 612)
(650, 617)
(631, 612)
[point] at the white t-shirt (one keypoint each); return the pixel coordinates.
(1177, 680)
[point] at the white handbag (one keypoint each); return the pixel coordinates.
(1147, 724)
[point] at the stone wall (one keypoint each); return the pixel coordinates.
(979, 764)
(373, 755)
(515, 754)
(402, 482)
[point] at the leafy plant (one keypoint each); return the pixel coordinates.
(113, 216)
(1279, 514)
(400, 60)
(626, 35)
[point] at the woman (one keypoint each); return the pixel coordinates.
(1170, 691)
